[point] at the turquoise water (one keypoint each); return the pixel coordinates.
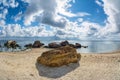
(94, 46)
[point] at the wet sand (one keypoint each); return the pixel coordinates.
(22, 66)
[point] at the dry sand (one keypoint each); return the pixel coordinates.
(22, 66)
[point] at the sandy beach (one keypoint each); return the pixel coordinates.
(22, 66)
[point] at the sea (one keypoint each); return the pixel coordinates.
(94, 46)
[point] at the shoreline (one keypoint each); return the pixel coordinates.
(22, 66)
(110, 52)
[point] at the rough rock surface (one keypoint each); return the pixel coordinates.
(77, 45)
(64, 43)
(59, 57)
(11, 44)
(28, 45)
(37, 44)
(53, 45)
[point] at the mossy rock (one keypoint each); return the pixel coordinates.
(59, 57)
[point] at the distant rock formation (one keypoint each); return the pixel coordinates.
(37, 44)
(11, 44)
(77, 45)
(53, 45)
(64, 43)
(59, 57)
(28, 45)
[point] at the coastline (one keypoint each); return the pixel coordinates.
(22, 66)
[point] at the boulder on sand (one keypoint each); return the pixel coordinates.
(53, 45)
(59, 57)
(37, 44)
(64, 43)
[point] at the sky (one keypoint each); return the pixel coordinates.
(77, 19)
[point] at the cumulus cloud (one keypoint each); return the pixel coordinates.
(9, 3)
(6, 4)
(56, 13)
(16, 29)
(2, 23)
(45, 11)
(99, 3)
(112, 10)
(3, 13)
(53, 12)
(18, 16)
(79, 31)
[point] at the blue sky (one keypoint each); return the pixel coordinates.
(90, 6)
(61, 18)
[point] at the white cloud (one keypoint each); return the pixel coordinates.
(56, 13)
(53, 12)
(112, 10)
(13, 4)
(18, 16)
(45, 11)
(2, 23)
(64, 6)
(80, 19)
(3, 13)
(17, 30)
(79, 31)
(99, 3)
(9, 3)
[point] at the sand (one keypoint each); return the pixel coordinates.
(22, 66)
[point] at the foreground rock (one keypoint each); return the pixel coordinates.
(59, 57)
(37, 44)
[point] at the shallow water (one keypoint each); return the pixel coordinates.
(94, 46)
(100, 46)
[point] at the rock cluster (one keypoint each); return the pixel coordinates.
(36, 44)
(64, 43)
(59, 57)
(11, 44)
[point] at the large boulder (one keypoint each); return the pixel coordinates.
(64, 43)
(53, 45)
(67, 49)
(59, 57)
(37, 44)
